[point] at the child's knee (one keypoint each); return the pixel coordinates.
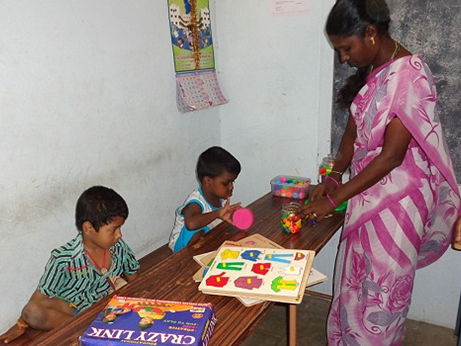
(33, 314)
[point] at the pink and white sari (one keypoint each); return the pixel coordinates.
(402, 223)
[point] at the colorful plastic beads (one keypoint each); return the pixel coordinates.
(289, 221)
(291, 187)
(325, 167)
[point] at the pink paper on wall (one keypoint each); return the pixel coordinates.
(198, 90)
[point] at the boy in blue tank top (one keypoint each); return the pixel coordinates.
(209, 205)
(84, 270)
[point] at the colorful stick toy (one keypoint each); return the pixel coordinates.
(289, 221)
(243, 218)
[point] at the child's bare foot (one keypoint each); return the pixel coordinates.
(13, 333)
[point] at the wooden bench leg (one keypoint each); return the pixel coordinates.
(292, 325)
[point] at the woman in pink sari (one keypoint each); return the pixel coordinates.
(403, 199)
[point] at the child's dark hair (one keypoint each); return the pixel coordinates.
(352, 17)
(215, 161)
(99, 205)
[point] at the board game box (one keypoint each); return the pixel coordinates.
(141, 321)
(263, 273)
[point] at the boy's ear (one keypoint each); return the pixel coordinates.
(87, 227)
(206, 180)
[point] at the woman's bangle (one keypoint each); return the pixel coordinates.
(340, 173)
(21, 324)
(331, 201)
(333, 180)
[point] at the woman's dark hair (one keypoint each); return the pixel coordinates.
(215, 161)
(99, 205)
(352, 17)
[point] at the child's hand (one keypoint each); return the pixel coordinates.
(11, 334)
(457, 235)
(225, 213)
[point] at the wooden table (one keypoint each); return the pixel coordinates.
(165, 275)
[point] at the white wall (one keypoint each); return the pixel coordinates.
(280, 109)
(87, 96)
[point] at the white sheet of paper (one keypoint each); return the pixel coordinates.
(289, 6)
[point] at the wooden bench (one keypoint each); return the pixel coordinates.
(164, 275)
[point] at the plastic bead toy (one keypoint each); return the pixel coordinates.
(289, 221)
(291, 187)
(325, 167)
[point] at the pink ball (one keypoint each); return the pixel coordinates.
(243, 218)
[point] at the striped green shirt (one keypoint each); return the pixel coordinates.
(70, 275)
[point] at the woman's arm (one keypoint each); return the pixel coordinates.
(342, 161)
(346, 147)
(396, 141)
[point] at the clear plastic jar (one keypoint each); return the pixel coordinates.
(325, 167)
(289, 221)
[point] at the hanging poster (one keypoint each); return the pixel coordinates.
(197, 85)
(190, 27)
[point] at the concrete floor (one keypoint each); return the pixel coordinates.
(311, 319)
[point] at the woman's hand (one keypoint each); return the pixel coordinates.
(315, 210)
(323, 189)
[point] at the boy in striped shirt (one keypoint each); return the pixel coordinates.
(84, 270)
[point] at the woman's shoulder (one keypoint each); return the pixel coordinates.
(412, 62)
(411, 68)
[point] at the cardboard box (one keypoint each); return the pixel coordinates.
(141, 321)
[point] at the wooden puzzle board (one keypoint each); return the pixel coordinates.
(254, 240)
(265, 273)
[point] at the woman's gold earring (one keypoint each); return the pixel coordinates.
(372, 39)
